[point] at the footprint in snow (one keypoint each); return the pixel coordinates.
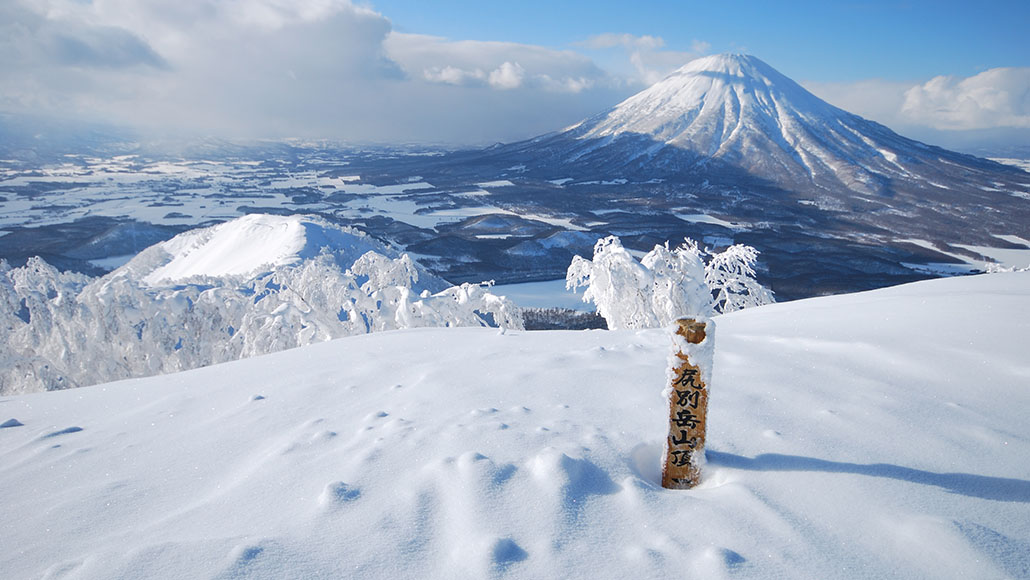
(242, 558)
(723, 558)
(474, 465)
(246, 554)
(575, 479)
(506, 552)
(337, 494)
(64, 431)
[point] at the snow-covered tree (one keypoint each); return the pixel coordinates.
(678, 281)
(730, 275)
(62, 330)
(666, 283)
(620, 286)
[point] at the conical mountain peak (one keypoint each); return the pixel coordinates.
(712, 103)
(737, 109)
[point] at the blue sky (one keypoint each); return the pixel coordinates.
(469, 73)
(822, 40)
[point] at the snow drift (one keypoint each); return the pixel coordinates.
(872, 435)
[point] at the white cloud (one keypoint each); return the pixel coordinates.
(274, 68)
(700, 47)
(29, 40)
(497, 65)
(452, 75)
(875, 99)
(507, 76)
(567, 84)
(256, 67)
(995, 98)
(982, 114)
(647, 56)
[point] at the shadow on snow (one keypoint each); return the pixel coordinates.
(982, 486)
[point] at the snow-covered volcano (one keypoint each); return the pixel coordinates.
(739, 109)
(734, 119)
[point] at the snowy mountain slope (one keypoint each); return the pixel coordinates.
(864, 436)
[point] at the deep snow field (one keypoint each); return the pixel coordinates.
(873, 435)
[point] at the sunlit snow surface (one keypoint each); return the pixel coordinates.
(1018, 258)
(1023, 164)
(249, 244)
(872, 435)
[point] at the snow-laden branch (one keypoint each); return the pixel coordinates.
(666, 283)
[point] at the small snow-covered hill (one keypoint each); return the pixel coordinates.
(872, 435)
(243, 246)
(249, 246)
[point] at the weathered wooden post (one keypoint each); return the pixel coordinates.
(689, 376)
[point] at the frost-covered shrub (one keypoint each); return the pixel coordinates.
(730, 275)
(666, 283)
(996, 268)
(621, 287)
(62, 330)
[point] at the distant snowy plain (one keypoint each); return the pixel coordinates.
(871, 435)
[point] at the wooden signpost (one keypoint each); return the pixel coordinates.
(688, 409)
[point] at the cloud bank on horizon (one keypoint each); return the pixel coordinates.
(335, 69)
